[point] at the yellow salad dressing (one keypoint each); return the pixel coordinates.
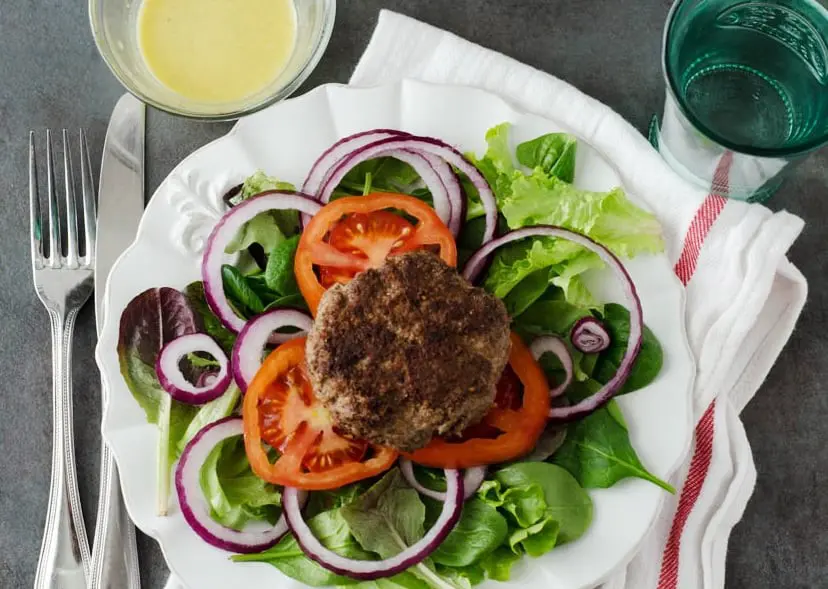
(216, 50)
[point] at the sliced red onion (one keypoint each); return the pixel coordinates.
(472, 479)
(366, 570)
(258, 332)
(555, 345)
(589, 336)
(226, 229)
(331, 156)
(583, 408)
(172, 379)
(196, 510)
(443, 205)
(422, 145)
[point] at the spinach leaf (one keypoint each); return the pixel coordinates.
(279, 274)
(294, 301)
(240, 292)
(384, 174)
(527, 291)
(333, 532)
(212, 325)
(554, 153)
(650, 358)
(566, 502)
(597, 450)
(263, 229)
(549, 317)
(614, 409)
(480, 530)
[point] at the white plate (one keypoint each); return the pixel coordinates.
(284, 140)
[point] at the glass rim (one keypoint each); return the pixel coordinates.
(672, 87)
(285, 91)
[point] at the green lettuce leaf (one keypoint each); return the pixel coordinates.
(211, 412)
(481, 530)
(497, 167)
(333, 532)
(387, 519)
(498, 564)
(267, 229)
(150, 320)
(236, 495)
(566, 502)
(537, 539)
(545, 196)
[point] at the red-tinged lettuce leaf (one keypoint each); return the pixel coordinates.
(153, 318)
(150, 320)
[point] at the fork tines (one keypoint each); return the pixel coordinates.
(58, 257)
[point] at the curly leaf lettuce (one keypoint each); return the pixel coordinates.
(545, 196)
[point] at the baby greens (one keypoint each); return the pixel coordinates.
(526, 507)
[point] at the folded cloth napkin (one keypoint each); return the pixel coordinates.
(743, 296)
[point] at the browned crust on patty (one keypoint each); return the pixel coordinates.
(407, 351)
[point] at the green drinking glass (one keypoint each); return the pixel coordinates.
(747, 92)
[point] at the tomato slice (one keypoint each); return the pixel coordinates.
(510, 429)
(281, 410)
(287, 404)
(356, 233)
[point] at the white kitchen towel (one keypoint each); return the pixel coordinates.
(743, 296)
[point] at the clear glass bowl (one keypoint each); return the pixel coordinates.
(115, 28)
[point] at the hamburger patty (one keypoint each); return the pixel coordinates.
(407, 351)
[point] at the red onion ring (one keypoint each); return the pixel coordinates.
(367, 570)
(247, 351)
(472, 479)
(563, 414)
(226, 229)
(194, 506)
(555, 345)
(331, 156)
(173, 380)
(589, 336)
(456, 194)
(325, 163)
(421, 145)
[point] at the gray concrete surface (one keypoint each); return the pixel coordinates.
(51, 76)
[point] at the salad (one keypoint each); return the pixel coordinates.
(396, 376)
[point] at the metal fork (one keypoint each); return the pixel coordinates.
(63, 284)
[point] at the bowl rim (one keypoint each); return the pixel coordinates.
(321, 44)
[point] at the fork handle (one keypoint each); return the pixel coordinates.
(64, 553)
(115, 553)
